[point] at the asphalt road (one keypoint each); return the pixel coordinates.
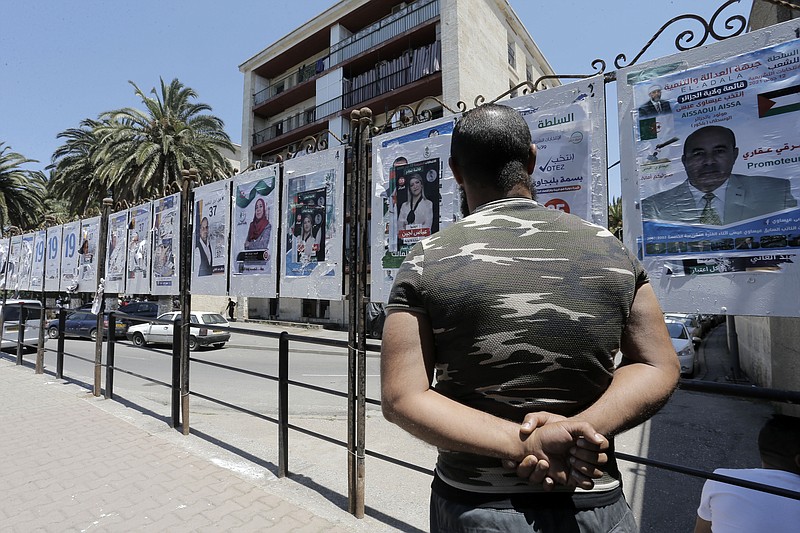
(696, 430)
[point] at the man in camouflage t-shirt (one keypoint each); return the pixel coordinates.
(520, 310)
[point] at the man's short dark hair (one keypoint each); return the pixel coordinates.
(779, 442)
(491, 145)
(709, 129)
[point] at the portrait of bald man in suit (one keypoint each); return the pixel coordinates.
(711, 194)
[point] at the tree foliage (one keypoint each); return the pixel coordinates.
(137, 154)
(615, 216)
(22, 191)
(75, 181)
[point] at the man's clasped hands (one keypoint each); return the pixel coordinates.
(559, 451)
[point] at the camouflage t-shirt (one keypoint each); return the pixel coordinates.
(527, 306)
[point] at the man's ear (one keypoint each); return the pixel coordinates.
(456, 172)
(531, 160)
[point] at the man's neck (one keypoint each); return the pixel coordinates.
(477, 198)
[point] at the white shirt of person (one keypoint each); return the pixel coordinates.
(730, 508)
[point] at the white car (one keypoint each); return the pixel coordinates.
(684, 347)
(142, 334)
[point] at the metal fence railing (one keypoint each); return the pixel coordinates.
(283, 383)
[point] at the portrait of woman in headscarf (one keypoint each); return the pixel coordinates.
(260, 229)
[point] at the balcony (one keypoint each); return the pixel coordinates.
(304, 73)
(406, 78)
(406, 23)
(384, 30)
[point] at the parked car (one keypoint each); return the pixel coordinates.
(137, 309)
(31, 314)
(692, 322)
(82, 324)
(684, 347)
(141, 334)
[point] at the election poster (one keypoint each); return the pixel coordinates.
(137, 278)
(313, 200)
(37, 267)
(567, 126)
(117, 252)
(562, 176)
(166, 244)
(414, 195)
(4, 249)
(26, 261)
(87, 254)
(254, 235)
(211, 222)
(52, 264)
(69, 256)
(12, 270)
(718, 156)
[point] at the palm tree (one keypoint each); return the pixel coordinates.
(75, 182)
(615, 216)
(22, 191)
(143, 152)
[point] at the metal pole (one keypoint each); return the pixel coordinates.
(99, 277)
(21, 332)
(112, 329)
(189, 176)
(62, 318)
(361, 354)
(352, 392)
(5, 281)
(176, 372)
(283, 404)
(42, 324)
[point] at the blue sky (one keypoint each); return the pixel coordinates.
(61, 62)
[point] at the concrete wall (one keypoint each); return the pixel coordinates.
(769, 353)
(475, 35)
(474, 50)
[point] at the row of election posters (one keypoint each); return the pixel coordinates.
(237, 231)
(256, 232)
(61, 258)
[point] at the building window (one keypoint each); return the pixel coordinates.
(512, 55)
(512, 89)
(529, 73)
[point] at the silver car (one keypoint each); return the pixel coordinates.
(142, 334)
(684, 347)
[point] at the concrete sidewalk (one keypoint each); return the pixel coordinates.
(70, 463)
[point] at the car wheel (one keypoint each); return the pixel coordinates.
(93, 334)
(138, 339)
(52, 333)
(219, 345)
(193, 343)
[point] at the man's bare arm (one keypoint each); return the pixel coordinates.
(647, 376)
(408, 400)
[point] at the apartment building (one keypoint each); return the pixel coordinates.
(378, 54)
